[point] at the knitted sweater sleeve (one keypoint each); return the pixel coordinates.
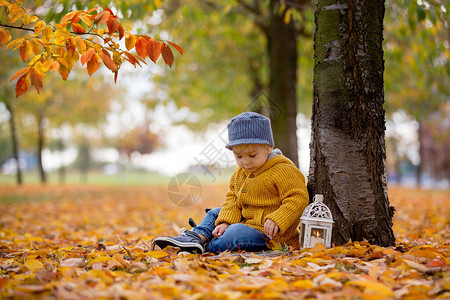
(231, 209)
(291, 186)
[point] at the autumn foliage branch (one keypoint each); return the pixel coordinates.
(90, 37)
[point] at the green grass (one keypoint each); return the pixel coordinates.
(128, 177)
(93, 178)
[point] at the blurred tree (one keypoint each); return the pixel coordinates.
(417, 54)
(67, 103)
(84, 159)
(244, 48)
(138, 139)
(347, 141)
(7, 65)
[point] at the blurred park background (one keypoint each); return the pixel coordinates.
(159, 121)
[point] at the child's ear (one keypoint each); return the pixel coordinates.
(269, 148)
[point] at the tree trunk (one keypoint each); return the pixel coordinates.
(40, 148)
(419, 170)
(14, 140)
(282, 48)
(347, 142)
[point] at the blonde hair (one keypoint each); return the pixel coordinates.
(246, 147)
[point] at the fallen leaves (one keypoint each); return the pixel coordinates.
(95, 242)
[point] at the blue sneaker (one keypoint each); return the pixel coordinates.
(188, 241)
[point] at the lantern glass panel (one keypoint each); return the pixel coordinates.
(317, 236)
(302, 235)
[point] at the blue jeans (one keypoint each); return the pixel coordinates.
(236, 237)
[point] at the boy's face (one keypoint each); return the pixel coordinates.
(252, 156)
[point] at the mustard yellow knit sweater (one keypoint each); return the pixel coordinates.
(276, 191)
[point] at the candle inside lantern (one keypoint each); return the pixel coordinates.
(317, 236)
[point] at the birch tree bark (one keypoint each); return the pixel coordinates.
(348, 122)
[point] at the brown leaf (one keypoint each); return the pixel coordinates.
(113, 25)
(167, 55)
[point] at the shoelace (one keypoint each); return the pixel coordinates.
(186, 232)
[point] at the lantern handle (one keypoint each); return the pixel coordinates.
(318, 198)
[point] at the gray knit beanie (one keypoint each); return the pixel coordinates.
(249, 128)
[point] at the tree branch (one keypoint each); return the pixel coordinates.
(16, 27)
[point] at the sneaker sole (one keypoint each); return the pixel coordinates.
(163, 242)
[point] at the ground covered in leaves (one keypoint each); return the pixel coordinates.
(78, 242)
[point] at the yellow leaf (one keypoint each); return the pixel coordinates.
(318, 248)
(337, 251)
(60, 36)
(47, 34)
(15, 12)
(80, 45)
(33, 265)
(121, 260)
(302, 284)
(100, 31)
(86, 20)
(130, 41)
(66, 248)
(100, 259)
(158, 3)
(423, 253)
(372, 287)
(287, 16)
(26, 19)
(38, 27)
(35, 46)
(156, 254)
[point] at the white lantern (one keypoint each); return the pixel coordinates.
(316, 224)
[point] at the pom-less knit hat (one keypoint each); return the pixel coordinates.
(249, 128)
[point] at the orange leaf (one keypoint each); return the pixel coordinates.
(87, 56)
(109, 63)
(101, 17)
(36, 79)
(21, 72)
(129, 57)
(69, 16)
(77, 28)
(63, 71)
(54, 66)
(25, 51)
(92, 66)
(167, 55)
(5, 36)
(176, 47)
(113, 25)
(141, 47)
(22, 85)
(154, 49)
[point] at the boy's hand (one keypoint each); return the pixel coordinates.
(220, 229)
(270, 228)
